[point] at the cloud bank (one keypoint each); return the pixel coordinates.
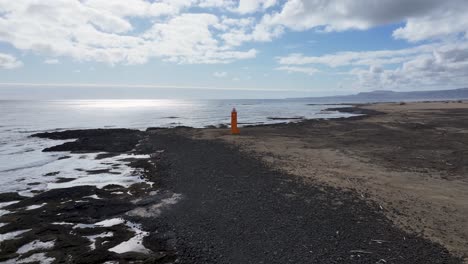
(103, 31)
(442, 25)
(224, 31)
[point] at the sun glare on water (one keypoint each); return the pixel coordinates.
(127, 104)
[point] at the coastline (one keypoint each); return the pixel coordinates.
(321, 183)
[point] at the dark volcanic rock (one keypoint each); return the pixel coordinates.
(355, 110)
(52, 173)
(95, 140)
(101, 171)
(156, 128)
(106, 155)
(286, 118)
(55, 220)
(63, 180)
(9, 197)
(81, 133)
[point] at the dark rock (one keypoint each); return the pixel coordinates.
(356, 110)
(52, 173)
(156, 128)
(92, 172)
(106, 155)
(285, 118)
(11, 196)
(63, 180)
(95, 140)
(73, 134)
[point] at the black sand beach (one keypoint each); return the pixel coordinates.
(217, 202)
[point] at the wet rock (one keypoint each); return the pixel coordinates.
(73, 134)
(106, 155)
(94, 140)
(92, 172)
(63, 180)
(52, 173)
(286, 118)
(11, 196)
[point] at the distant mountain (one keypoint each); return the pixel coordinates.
(391, 96)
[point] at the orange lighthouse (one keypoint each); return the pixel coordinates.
(234, 129)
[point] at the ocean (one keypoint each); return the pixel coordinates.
(24, 168)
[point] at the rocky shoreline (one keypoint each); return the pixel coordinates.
(199, 201)
(86, 224)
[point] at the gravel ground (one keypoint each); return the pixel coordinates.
(238, 210)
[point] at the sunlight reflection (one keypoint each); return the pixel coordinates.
(125, 104)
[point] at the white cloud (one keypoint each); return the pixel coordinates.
(225, 4)
(106, 31)
(424, 19)
(251, 6)
(9, 62)
(51, 61)
(220, 74)
(338, 15)
(141, 8)
(98, 30)
(296, 69)
(432, 65)
(248, 31)
(441, 69)
(358, 58)
(449, 19)
(242, 7)
(441, 63)
(188, 38)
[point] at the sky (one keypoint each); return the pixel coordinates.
(230, 48)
